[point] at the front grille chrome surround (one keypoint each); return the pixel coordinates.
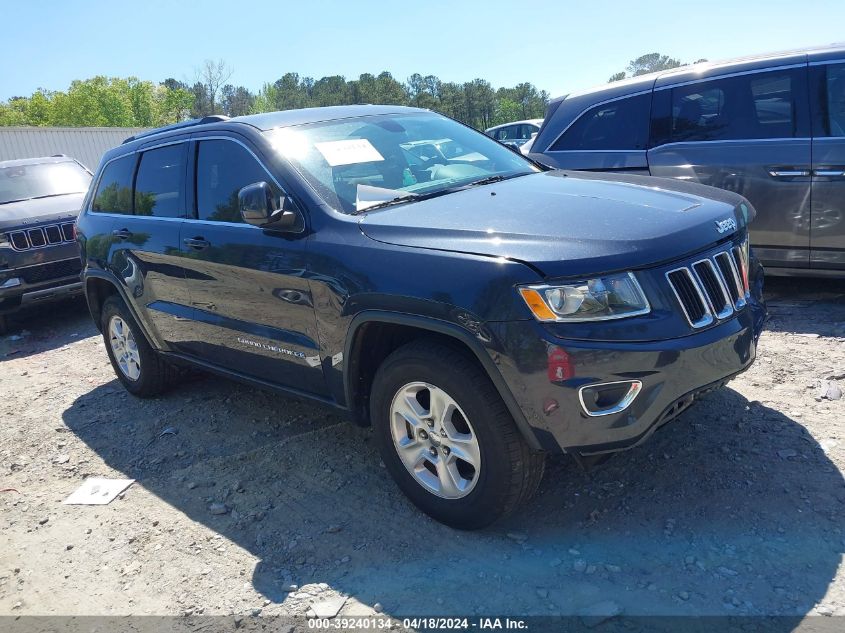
(42, 236)
(711, 288)
(690, 297)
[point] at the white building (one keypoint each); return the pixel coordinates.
(85, 144)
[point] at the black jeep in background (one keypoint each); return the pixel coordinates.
(476, 309)
(39, 257)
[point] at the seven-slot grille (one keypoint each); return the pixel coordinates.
(41, 236)
(712, 288)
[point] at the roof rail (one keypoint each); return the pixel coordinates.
(213, 118)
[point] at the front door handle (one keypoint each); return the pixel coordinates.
(196, 243)
(788, 173)
(122, 234)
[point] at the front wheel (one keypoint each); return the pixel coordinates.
(447, 438)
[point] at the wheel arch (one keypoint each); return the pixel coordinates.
(99, 286)
(373, 335)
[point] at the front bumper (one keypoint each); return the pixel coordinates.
(47, 280)
(546, 374)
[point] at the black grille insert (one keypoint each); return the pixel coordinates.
(36, 238)
(19, 241)
(712, 284)
(689, 296)
(53, 270)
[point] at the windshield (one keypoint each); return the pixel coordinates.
(358, 163)
(42, 180)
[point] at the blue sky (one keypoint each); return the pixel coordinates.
(559, 46)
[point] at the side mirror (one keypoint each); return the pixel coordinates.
(258, 207)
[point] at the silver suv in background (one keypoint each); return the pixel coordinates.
(771, 128)
(39, 257)
(516, 133)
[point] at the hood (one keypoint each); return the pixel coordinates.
(567, 223)
(14, 215)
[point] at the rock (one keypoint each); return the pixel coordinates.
(377, 607)
(689, 560)
(333, 529)
(555, 562)
(786, 453)
(579, 565)
(218, 508)
(192, 485)
(68, 547)
(519, 537)
(290, 587)
(345, 559)
(600, 612)
(543, 593)
(727, 571)
(833, 392)
(132, 568)
(825, 610)
(64, 459)
(43, 521)
(328, 608)
(574, 551)
(88, 530)
(614, 569)
(683, 595)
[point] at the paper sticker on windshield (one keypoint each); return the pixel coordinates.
(348, 152)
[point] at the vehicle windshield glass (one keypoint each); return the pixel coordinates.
(360, 162)
(42, 180)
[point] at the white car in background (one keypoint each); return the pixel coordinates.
(516, 133)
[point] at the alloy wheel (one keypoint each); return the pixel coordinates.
(124, 348)
(435, 440)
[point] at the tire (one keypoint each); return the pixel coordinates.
(507, 472)
(144, 373)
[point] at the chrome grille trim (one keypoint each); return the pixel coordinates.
(712, 286)
(735, 282)
(41, 236)
(686, 303)
(721, 305)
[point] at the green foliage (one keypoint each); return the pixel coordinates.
(100, 101)
(130, 102)
(648, 63)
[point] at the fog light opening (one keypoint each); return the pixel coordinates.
(609, 397)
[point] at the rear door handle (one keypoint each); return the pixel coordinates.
(830, 173)
(196, 243)
(123, 234)
(789, 173)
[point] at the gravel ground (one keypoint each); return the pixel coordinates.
(255, 503)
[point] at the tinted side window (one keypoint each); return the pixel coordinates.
(754, 106)
(829, 100)
(617, 125)
(223, 169)
(114, 192)
(160, 183)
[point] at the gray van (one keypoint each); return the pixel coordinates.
(771, 128)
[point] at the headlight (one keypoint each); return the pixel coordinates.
(598, 299)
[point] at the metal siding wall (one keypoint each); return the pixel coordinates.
(85, 144)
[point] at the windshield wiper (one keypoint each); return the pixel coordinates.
(408, 197)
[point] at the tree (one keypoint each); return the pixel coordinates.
(648, 63)
(211, 76)
(236, 101)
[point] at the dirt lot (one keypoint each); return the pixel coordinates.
(738, 507)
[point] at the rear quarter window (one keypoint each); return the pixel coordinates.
(617, 125)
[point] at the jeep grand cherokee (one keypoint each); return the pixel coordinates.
(477, 313)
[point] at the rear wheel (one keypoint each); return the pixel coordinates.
(447, 438)
(138, 366)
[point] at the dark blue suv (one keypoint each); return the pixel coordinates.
(476, 309)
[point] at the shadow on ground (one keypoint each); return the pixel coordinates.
(36, 329)
(731, 509)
